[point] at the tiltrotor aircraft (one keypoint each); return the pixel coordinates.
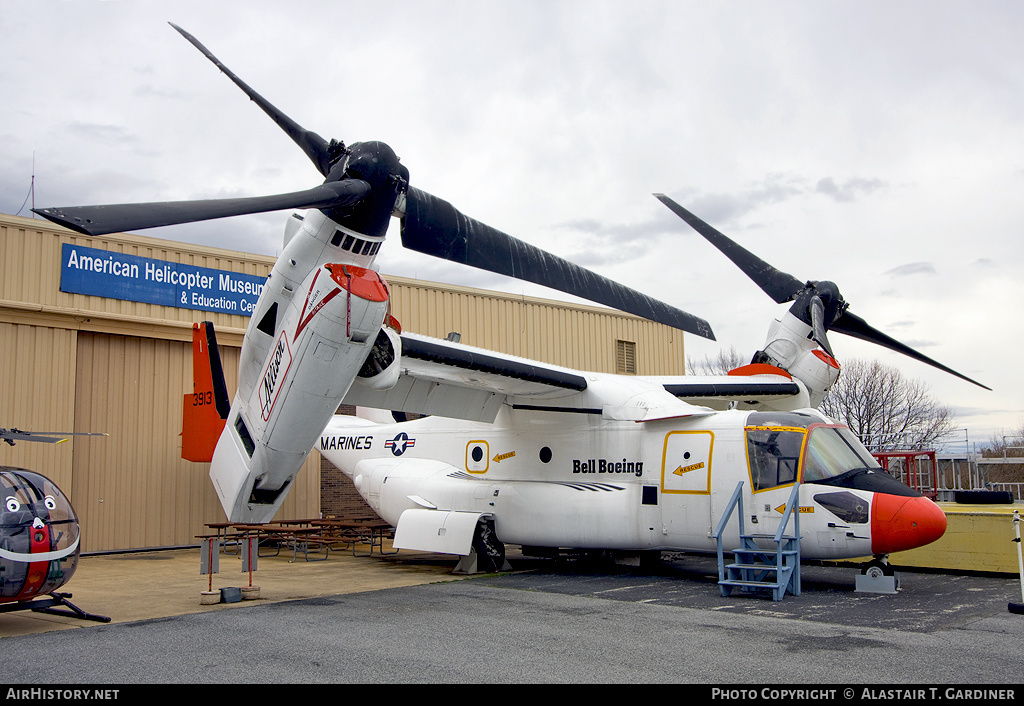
(522, 453)
(516, 451)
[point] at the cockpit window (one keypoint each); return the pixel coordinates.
(778, 455)
(774, 455)
(832, 451)
(27, 495)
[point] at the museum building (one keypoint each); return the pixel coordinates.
(95, 336)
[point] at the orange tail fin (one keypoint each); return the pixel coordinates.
(205, 410)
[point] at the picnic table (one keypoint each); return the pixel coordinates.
(313, 535)
(280, 534)
(372, 532)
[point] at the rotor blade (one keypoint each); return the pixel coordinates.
(13, 436)
(434, 227)
(316, 148)
(48, 437)
(118, 218)
(778, 285)
(818, 323)
(853, 325)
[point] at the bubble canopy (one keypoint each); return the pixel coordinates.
(39, 534)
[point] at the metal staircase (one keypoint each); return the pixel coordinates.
(757, 569)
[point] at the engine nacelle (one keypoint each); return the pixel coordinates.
(818, 371)
(789, 347)
(331, 324)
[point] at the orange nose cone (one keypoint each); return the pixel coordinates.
(899, 523)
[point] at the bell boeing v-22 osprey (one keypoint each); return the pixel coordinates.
(523, 453)
(516, 451)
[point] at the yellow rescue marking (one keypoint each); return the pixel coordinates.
(781, 509)
(501, 457)
(681, 470)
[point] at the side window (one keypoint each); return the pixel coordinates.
(243, 434)
(774, 455)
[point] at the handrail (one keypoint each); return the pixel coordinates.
(794, 497)
(791, 504)
(737, 498)
(1016, 489)
(727, 512)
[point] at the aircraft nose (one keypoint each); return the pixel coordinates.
(899, 523)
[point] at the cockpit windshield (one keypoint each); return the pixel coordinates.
(26, 496)
(832, 451)
(783, 447)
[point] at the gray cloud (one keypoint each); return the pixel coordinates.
(849, 190)
(606, 241)
(775, 189)
(100, 133)
(919, 343)
(913, 268)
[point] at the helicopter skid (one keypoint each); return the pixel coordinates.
(46, 604)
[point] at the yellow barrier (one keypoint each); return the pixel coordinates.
(977, 538)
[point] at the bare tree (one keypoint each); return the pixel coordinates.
(885, 409)
(720, 364)
(1006, 445)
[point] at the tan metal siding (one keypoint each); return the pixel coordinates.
(37, 393)
(576, 336)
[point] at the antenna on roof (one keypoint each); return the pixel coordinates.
(31, 190)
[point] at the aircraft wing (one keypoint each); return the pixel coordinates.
(449, 379)
(453, 380)
(745, 391)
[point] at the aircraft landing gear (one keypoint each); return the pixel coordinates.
(47, 603)
(877, 576)
(488, 554)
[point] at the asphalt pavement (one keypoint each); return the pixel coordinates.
(406, 619)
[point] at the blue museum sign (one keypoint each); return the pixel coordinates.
(114, 275)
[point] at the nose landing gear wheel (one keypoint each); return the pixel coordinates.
(877, 568)
(877, 576)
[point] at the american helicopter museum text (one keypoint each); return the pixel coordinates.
(116, 275)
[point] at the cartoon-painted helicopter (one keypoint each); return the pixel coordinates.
(39, 537)
(516, 451)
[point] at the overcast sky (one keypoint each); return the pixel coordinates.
(874, 144)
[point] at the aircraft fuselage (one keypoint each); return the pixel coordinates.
(578, 480)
